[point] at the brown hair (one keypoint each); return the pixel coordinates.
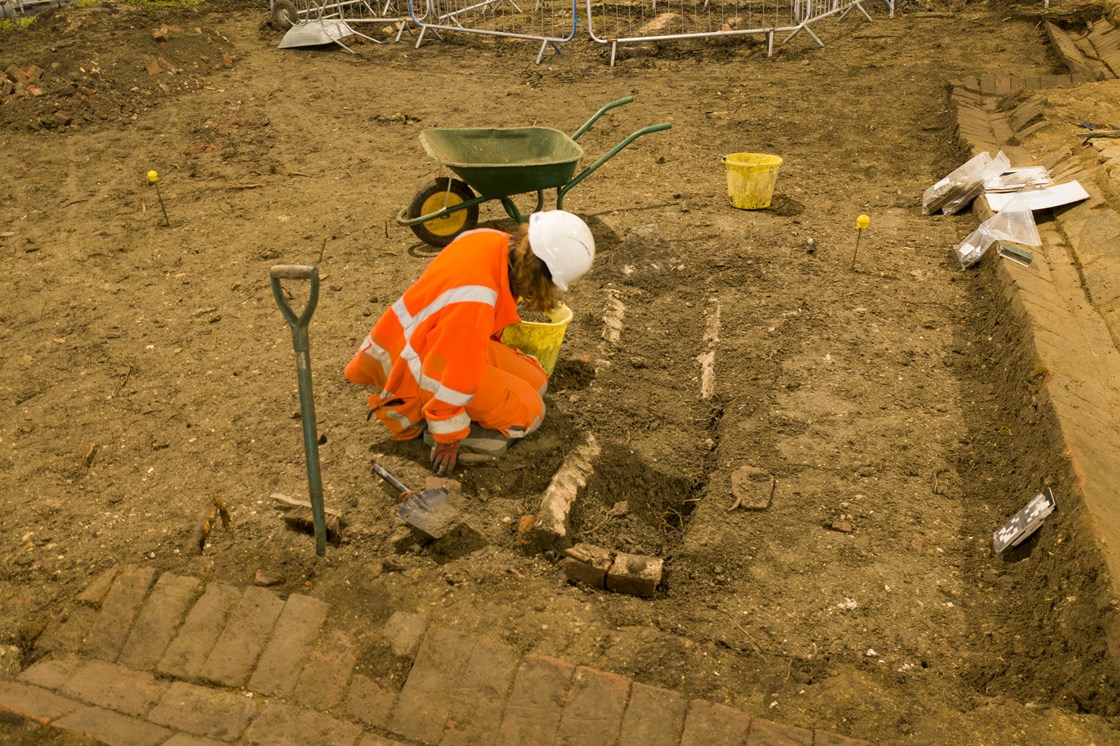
(528, 275)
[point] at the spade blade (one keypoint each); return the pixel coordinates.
(430, 513)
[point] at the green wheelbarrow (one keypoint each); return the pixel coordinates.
(498, 163)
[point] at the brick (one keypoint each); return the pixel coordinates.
(1102, 279)
(370, 702)
(404, 631)
(767, 733)
(204, 712)
(161, 616)
(323, 681)
(52, 673)
(587, 564)
(452, 688)
(287, 725)
(185, 739)
(1023, 115)
(537, 702)
(594, 711)
(34, 703)
(187, 653)
(16, 74)
(1097, 236)
(477, 699)
(654, 717)
(118, 612)
(235, 653)
(709, 723)
(94, 593)
(635, 574)
(1030, 129)
(821, 738)
(66, 631)
(117, 687)
(282, 660)
(111, 728)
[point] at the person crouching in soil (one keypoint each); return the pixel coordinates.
(435, 355)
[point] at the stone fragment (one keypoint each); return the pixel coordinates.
(752, 488)
(403, 632)
(264, 580)
(10, 661)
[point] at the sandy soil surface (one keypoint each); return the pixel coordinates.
(147, 368)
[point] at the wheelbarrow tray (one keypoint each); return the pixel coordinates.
(501, 162)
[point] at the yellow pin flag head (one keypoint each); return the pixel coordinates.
(153, 177)
(863, 221)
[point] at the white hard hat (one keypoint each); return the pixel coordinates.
(564, 243)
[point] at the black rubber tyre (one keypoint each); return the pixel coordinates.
(284, 15)
(442, 231)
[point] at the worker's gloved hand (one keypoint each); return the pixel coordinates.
(444, 456)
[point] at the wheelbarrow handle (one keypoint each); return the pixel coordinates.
(295, 272)
(606, 157)
(613, 104)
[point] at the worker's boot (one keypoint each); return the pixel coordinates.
(480, 440)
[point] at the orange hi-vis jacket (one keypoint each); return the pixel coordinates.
(428, 352)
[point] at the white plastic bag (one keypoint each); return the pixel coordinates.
(1014, 223)
(955, 191)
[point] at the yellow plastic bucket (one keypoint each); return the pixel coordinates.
(751, 178)
(541, 339)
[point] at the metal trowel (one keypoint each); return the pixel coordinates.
(428, 512)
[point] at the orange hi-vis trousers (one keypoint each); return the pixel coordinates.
(508, 400)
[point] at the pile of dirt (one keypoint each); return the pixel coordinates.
(109, 64)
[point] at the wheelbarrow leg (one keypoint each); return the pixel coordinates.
(306, 399)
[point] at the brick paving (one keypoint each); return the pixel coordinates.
(1069, 296)
(140, 660)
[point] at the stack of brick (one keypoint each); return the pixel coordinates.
(1095, 53)
(597, 567)
(998, 113)
(17, 81)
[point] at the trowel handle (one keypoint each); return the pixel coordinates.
(382, 472)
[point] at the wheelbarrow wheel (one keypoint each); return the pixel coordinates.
(435, 196)
(284, 15)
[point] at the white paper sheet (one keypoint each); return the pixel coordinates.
(1041, 199)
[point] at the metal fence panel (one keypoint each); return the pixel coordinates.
(550, 22)
(617, 22)
(350, 11)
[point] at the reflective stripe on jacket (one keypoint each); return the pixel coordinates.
(427, 352)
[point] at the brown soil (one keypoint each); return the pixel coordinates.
(147, 368)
